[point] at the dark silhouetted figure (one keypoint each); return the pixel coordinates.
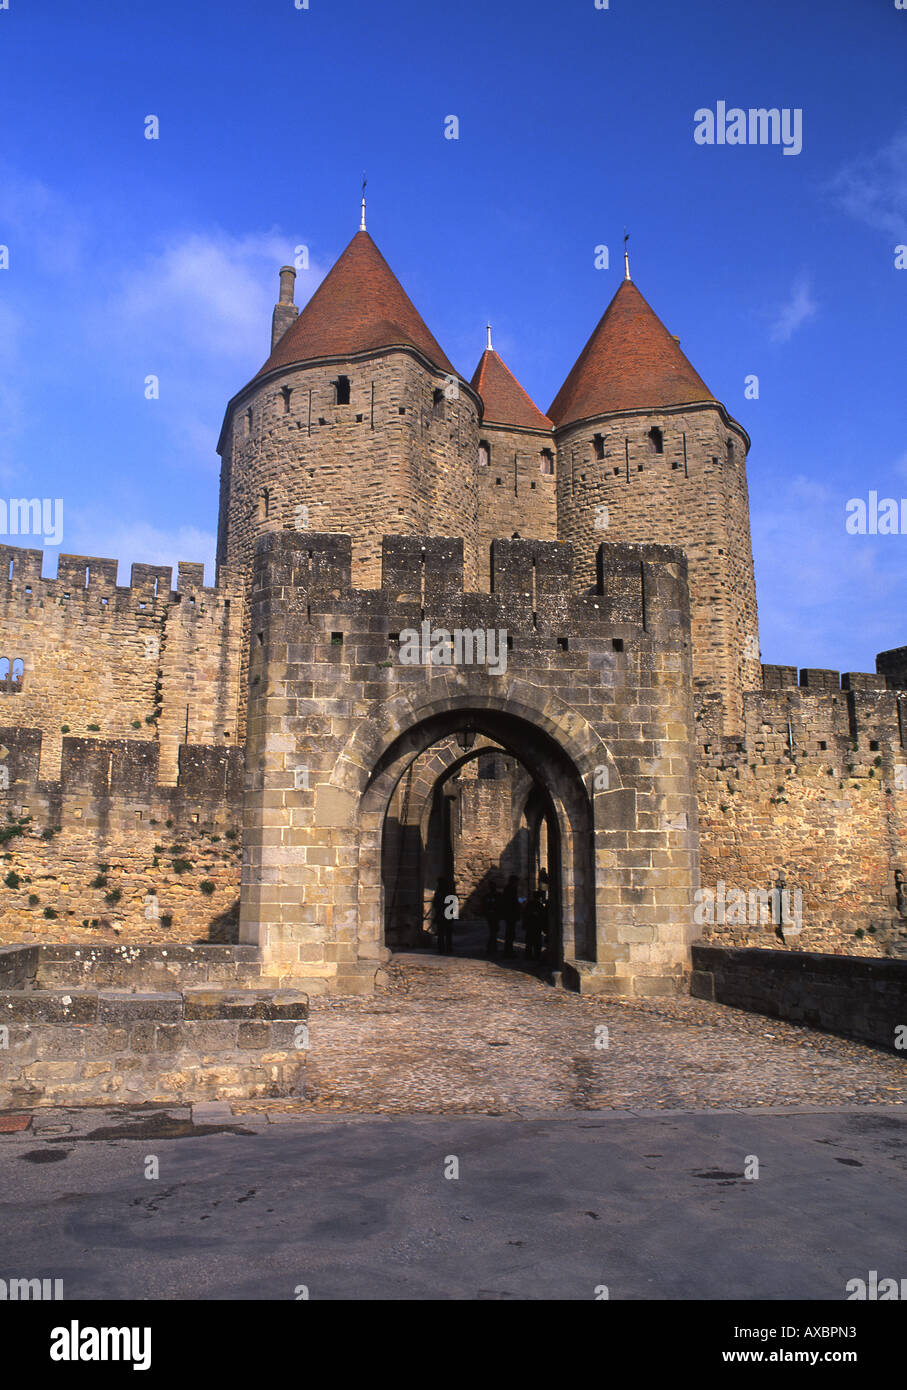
(443, 923)
(535, 920)
(491, 911)
(510, 911)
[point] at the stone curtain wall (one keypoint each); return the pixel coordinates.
(141, 662)
(693, 495)
(595, 684)
(814, 785)
(110, 854)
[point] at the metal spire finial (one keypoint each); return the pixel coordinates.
(362, 218)
(626, 255)
(488, 347)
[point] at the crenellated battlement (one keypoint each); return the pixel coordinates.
(533, 589)
(813, 786)
(815, 679)
(94, 577)
(843, 723)
(128, 769)
(85, 655)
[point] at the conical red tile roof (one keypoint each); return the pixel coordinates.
(505, 401)
(631, 362)
(359, 306)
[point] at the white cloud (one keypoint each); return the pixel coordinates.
(193, 310)
(206, 294)
(808, 570)
(874, 189)
(197, 314)
(40, 226)
(799, 307)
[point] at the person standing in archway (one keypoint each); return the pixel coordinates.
(510, 911)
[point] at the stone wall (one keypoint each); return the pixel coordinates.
(815, 784)
(127, 966)
(77, 1046)
(104, 851)
(489, 843)
(142, 662)
(864, 999)
(613, 484)
(515, 495)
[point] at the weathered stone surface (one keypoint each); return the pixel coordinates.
(117, 1007)
(865, 999)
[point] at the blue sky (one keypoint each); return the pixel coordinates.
(129, 257)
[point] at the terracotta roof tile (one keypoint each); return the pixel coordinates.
(505, 401)
(631, 362)
(359, 306)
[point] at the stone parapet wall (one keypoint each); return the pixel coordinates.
(864, 999)
(94, 1047)
(137, 966)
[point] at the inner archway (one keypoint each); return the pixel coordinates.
(467, 818)
(556, 796)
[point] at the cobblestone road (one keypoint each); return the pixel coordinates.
(455, 1035)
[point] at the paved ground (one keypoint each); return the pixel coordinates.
(578, 1166)
(464, 1035)
(650, 1205)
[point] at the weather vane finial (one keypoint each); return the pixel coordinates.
(626, 255)
(362, 218)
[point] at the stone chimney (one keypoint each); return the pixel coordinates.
(285, 311)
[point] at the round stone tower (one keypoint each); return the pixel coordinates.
(516, 461)
(356, 423)
(646, 453)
